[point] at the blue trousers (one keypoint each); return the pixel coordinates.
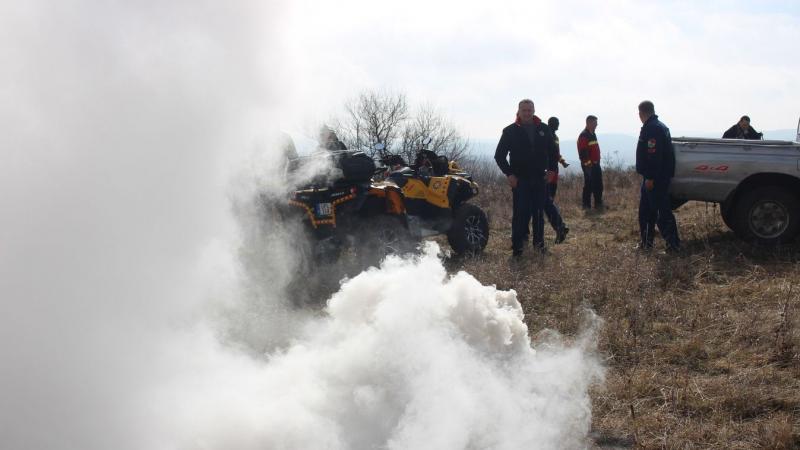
(654, 209)
(529, 199)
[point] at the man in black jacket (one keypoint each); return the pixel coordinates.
(529, 144)
(742, 130)
(655, 161)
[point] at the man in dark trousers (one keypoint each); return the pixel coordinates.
(742, 130)
(655, 161)
(589, 154)
(529, 143)
(550, 208)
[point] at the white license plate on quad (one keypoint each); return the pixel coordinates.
(323, 209)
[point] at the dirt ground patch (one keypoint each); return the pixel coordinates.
(703, 348)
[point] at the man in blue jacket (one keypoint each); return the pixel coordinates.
(655, 161)
(529, 143)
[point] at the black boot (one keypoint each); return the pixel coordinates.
(561, 234)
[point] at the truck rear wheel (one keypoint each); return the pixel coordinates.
(728, 214)
(469, 231)
(767, 215)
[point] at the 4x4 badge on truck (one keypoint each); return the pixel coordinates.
(707, 168)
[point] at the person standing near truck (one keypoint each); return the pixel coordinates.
(655, 161)
(742, 130)
(589, 154)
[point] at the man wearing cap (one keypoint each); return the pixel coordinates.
(550, 208)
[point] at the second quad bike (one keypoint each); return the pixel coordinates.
(389, 209)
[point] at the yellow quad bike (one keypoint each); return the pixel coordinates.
(347, 208)
(340, 219)
(378, 217)
(436, 193)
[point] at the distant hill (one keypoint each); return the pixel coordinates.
(780, 135)
(619, 149)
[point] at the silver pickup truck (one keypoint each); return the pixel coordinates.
(756, 183)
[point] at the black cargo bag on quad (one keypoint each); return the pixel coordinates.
(356, 166)
(441, 166)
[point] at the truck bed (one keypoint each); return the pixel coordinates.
(711, 169)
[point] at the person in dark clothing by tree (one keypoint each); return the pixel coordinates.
(655, 161)
(589, 154)
(288, 160)
(528, 144)
(328, 139)
(742, 130)
(550, 208)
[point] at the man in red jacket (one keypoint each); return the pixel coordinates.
(589, 154)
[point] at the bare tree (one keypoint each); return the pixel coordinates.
(430, 123)
(373, 117)
(382, 117)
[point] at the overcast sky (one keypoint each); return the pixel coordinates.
(704, 64)
(124, 124)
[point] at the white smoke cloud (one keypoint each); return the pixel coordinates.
(142, 292)
(440, 363)
(119, 124)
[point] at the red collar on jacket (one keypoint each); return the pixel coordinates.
(536, 120)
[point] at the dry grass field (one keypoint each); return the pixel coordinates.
(702, 348)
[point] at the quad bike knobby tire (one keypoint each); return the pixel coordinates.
(469, 232)
(382, 236)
